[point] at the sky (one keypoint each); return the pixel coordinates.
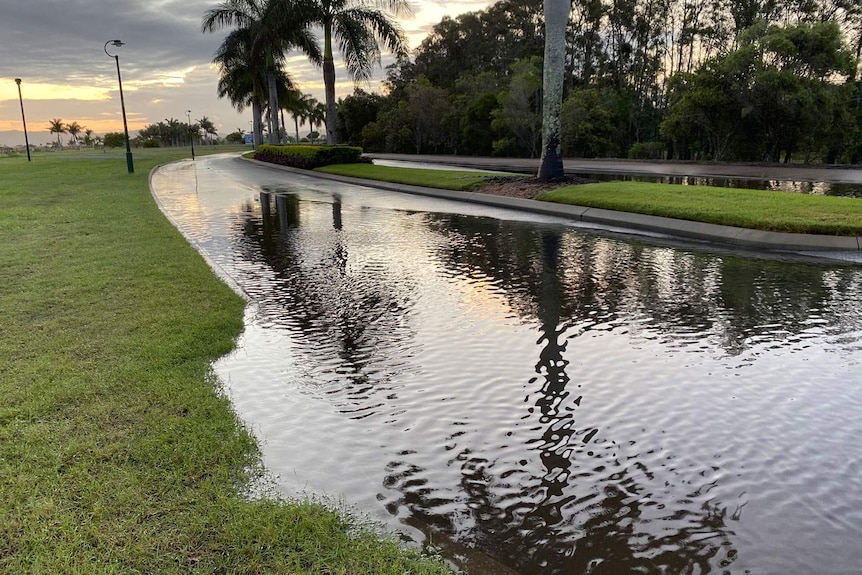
(56, 47)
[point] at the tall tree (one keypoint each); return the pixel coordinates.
(359, 27)
(272, 28)
(316, 116)
(240, 79)
(296, 104)
(56, 126)
(74, 129)
(208, 128)
(519, 117)
(554, 70)
(355, 112)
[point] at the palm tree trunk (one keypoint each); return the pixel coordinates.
(257, 125)
(273, 108)
(556, 18)
(329, 83)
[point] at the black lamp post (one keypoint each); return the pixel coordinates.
(129, 163)
(191, 133)
(23, 119)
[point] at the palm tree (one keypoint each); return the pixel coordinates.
(239, 79)
(242, 81)
(556, 19)
(56, 126)
(359, 27)
(174, 131)
(269, 29)
(74, 129)
(316, 114)
(297, 104)
(88, 137)
(208, 128)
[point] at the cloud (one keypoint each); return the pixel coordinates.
(57, 48)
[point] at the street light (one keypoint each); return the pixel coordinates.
(129, 163)
(191, 133)
(23, 119)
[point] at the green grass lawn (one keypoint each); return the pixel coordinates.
(117, 452)
(755, 209)
(443, 179)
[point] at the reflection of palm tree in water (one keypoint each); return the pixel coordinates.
(552, 366)
(609, 535)
(587, 507)
(334, 311)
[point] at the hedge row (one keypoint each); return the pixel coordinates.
(308, 157)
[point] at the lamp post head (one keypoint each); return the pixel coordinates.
(18, 81)
(115, 43)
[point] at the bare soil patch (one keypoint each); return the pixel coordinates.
(525, 187)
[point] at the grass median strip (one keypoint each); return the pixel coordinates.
(755, 209)
(443, 179)
(745, 208)
(117, 453)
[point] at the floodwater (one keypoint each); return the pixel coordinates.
(533, 398)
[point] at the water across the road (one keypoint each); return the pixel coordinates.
(510, 387)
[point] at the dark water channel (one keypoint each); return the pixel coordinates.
(533, 398)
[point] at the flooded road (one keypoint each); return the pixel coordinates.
(533, 398)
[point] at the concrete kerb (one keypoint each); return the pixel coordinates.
(683, 229)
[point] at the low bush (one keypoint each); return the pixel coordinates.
(647, 151)
(308, 157)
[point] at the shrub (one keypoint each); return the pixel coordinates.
(647, 151)
(308, 157)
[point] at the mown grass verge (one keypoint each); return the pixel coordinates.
(755, 209)
(443, 179)
(117, 453)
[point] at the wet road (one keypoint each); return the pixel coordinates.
(847, 175)
(554, 401)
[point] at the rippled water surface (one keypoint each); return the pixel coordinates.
(534, 398)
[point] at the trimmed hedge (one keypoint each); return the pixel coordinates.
(308, 157)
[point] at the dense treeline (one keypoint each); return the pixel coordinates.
(736, 80)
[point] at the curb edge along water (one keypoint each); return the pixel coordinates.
(818, 246)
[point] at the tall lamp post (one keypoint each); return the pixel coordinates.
(191, 133)
(23, 119)
(129, 163)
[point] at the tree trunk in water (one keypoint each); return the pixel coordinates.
(556, 18)
(329, 84)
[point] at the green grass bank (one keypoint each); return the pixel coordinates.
(117, 452)
(443, 179)
(755, 209)
(744, 208)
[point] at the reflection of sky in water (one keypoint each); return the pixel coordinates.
(561, 402)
